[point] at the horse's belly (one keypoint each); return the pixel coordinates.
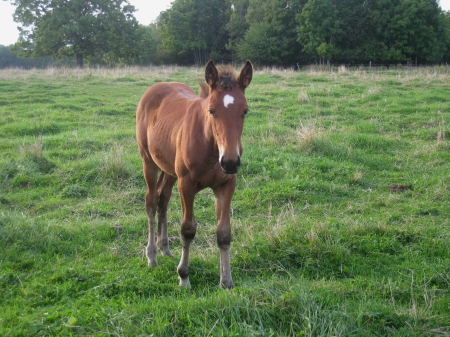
(163, 157)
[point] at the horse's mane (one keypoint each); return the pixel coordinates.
(227, 81)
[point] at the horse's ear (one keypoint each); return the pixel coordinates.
(211, 75)
(246, 75)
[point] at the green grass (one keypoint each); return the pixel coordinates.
(321, 245)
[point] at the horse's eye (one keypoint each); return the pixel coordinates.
(212, 113)
(245, 113)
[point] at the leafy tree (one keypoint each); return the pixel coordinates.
(373, 30)
(96, 30)
(272, 37)
(260, 45)
(404, 30)
(9, 59)
(424, 30)
(384, 40)
(194, 30)
(320, 29)
(146, 47)
(446, 22)
(238, 25)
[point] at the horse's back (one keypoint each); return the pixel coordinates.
(159, 117)
(162, 92)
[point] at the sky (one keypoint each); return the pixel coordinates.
(148, 11)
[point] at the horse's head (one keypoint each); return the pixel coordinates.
(227, 109)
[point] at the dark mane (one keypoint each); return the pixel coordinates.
(227, 81)
(227, 78)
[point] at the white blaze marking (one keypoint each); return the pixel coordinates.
(221, 151)
(227, 100)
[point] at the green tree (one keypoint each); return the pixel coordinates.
(9, 59)
(146, 47)
(405, 30)
(384, 31)
(424, 30)
(272, 37)
(194, 30)
(96, 30)
(237, 26)
(260, 44)
(446, 22)
(320, 29)
(384, 41)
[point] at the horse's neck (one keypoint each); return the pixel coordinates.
(204, 123)
(203, 91)
(198, 135)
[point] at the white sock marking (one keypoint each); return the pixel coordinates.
(227, 100)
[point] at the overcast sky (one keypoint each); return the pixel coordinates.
(148, 10)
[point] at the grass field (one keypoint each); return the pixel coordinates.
(340, 221)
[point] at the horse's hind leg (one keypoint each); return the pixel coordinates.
(151, 196)
(165, 185)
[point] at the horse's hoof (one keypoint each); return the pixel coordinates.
(150, 252)
(166, 252)
(152, 263)
(164, 248)
(226, 284)
(185, 283)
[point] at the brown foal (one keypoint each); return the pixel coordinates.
(197, 141)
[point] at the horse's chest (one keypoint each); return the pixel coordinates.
(208, 176)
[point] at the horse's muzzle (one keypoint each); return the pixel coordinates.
(230, 166)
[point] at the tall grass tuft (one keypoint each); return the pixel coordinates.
(441, 137)
(308, 134)
(33, 161)
(32, 150)
(302, 97)
(113, 164)
(342, 70)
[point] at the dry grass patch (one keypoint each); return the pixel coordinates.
(113, 163)
(32, 150)
(303, 97)
(356, 178)
(86, 72)
(441, 135)
(309, 133)
(342, 70)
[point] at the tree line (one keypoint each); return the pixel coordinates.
(269, 32)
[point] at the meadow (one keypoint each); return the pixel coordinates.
(340, 219)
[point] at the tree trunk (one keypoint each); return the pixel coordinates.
(79, 58)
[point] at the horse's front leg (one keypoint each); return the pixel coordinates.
(223, 196)
(188, 228)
